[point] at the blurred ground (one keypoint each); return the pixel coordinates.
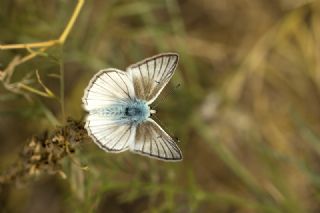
(247, 113)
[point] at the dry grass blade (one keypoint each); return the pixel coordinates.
(48, 93)
(46, 44)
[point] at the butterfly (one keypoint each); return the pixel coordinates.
(119, 113)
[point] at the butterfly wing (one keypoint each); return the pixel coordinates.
(109, 134)
(109, 87)
(151, 140)
(151, 75)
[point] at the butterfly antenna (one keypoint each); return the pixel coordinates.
(166, 95)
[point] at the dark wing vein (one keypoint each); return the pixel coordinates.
(165, 69)
(160, 68)
(154, 70)
(118, 85)
(164, 150)
(168, 147)
(144, 141)
(104, 88)
(143, 86)
(147, 63)
(124, 145)
(170, 72)
(125, 85)
(151, 151)
(157, 147)
(120, 138)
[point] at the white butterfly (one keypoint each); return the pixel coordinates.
(119, 113)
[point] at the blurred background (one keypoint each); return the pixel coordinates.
(247, 112)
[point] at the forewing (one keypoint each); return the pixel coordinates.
(151, 75)
(109, 134)
(151, 140)
(107, 87)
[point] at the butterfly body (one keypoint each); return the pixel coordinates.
(119, 112)
(128, 111)
(137, 111)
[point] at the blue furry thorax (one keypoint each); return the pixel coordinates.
(128, 111)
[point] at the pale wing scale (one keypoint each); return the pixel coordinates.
(108, 134)
(108, 87)
(151, 75)
(151, 140)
